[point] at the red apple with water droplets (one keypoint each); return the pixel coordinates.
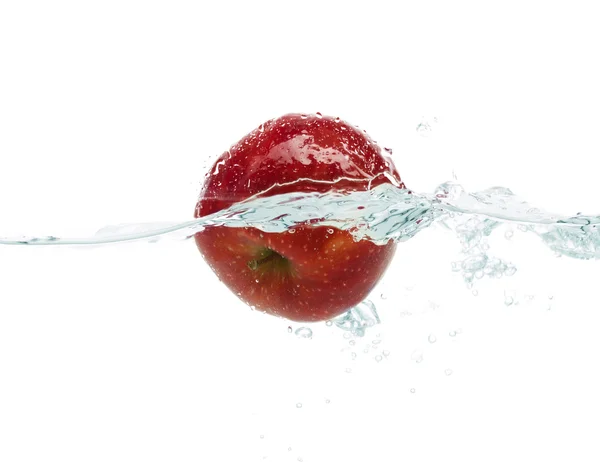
(311, 272)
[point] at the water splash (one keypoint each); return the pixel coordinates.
(381, 214)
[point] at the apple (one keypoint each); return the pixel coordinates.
(309, 273)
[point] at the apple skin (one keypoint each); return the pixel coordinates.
(311, 273)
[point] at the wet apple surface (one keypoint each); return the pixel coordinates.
(310, 272)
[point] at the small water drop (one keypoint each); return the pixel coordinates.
(348, 370)
(328, 323)
(432, 338)
(303, 116)
(290, 448)
(417, 355)
(304, 332)
(386, 353)
(289, 329)
(508, 234)
(298, 405)
(353, 355)
(330, 230)
(327, 401)
(448, 372)
(291, 231)
(388, 150)
(508, 300)
(522, 228)
(378, 358)
(319, 115)
(452, 333)
(262, 437)
(383, 296)
(352, 342)
(412, 390)
(475, 292)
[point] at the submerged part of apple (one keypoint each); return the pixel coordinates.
(310, 272)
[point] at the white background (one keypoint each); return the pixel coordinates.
(111, 112)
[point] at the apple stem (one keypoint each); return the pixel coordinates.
(254, 264)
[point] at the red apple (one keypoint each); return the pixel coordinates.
(314, 272)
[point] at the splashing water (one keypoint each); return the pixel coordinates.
(381, 214)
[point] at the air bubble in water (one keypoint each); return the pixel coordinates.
(378, 358)
(412, 390)
(304, 332)
(417, 355)
(508, 300)
(432, 338)
(328, 323)
(448, 372)
(298, 405)
(385, 353)
(452, 333)
(508, 234)
(289, 329)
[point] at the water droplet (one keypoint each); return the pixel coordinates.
(417, 355)
(452, 333)
(290, 448)
(386, 353)
(376, 341)
(412, 390)
(348, 370)
(550, 297)
(378, 358)
(448, 372)
(522, 228)
(304, 332)
(303, 116)
(475, 292)
(291, 231)
(330, 231)
(328, 323)
(319, 115)
(508, 300)
(353, 355)
(298, 405)
(383, 296)
(423, 128)
(432, 338)
(327, 401)
(508, 234)
(262, 437)
(289, 329)
(388, 150)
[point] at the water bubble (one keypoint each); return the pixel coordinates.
(508, 300)
(330, 230)
(383, 296)
(386, 353)
(262, 437)
(353, 355)
(432, 338)
(327, 401)
(289, 329)
(352, 342)
(417, 355)
(378, 358)
(298, 405)
(328, 323)
(448, 372)
(509, 234)
(412, 390)
(376, 341)
(475, 292)
(348, 370)
(337, 119)
(388, 150)
(358, 319)
(319, 115)
(303, 116)
(522, 228)
(304, 332)
(452, 333)
(291, 231)
(289, 449)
